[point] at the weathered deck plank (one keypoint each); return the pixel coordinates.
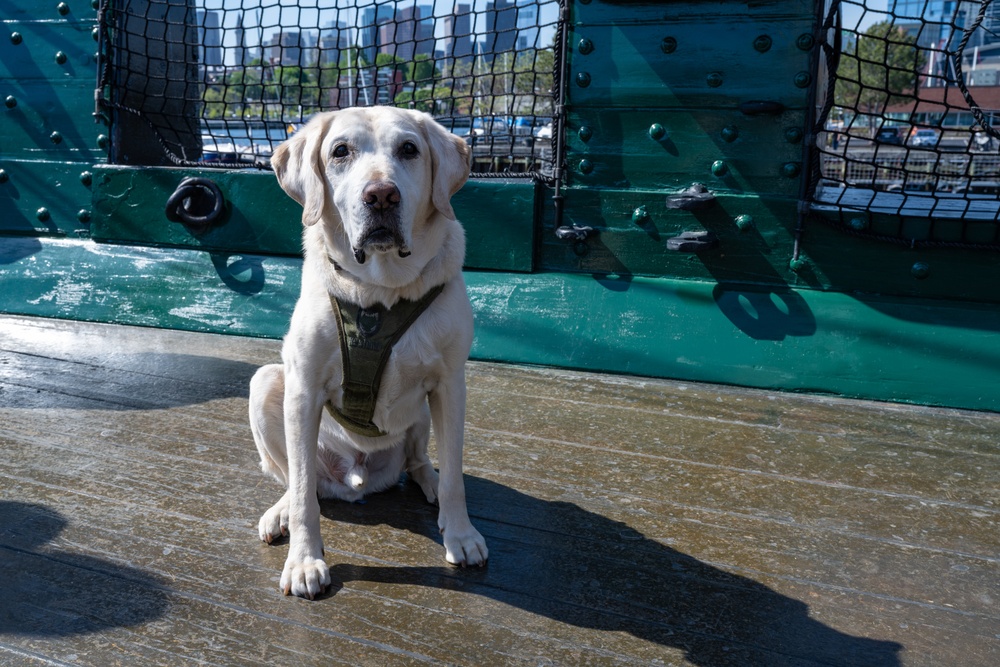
(629, 521)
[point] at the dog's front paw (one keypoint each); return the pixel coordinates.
(305, 577)
(463, 545)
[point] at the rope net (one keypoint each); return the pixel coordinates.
(222, 82)
(906, 146)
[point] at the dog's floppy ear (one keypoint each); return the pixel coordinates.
(298, 164)
(451, 161)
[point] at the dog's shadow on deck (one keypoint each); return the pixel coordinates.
(574, 566)
(52, 592)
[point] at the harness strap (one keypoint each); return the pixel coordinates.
(367, 336)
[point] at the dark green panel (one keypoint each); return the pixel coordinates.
(670, 149)
(499, 221)
(129, 207)
(713, 65)
(624, 12)
(756, 245)
(836, 260)
(47, 81)
(45, 198)
(130, 204)
(755, 237)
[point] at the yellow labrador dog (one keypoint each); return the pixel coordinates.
(379, 337)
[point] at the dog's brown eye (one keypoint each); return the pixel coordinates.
(341, 151)
(409, 149)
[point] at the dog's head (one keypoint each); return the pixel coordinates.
(380, 173)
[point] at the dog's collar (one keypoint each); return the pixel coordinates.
(367, 336)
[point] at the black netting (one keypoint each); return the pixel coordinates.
(222, 82)
(906, 145)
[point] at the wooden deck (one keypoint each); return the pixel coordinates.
(630, 522)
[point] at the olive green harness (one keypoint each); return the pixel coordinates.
(367, 336)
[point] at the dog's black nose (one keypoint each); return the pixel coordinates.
(381, 195)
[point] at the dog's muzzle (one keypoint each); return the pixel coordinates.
(382, 230)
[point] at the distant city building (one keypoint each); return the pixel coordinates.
(458, 37)
(290, 49)
(209, 38)
(334, 39)
(368, 34)
(511, 25)
(240, 52)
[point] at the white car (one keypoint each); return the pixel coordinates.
(928, 138)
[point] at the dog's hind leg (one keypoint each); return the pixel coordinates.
(418, 463)
(267, 390)
(267, 422)
(274, 522)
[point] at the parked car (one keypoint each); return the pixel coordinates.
(491, 125)
(889, 135)
(460, 125)
(924, 138)
(544, 132)
(528, 126)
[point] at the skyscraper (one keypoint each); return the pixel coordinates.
(209, 39)
(458, 36)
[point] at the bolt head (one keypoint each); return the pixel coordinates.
(640, 215)
(762, 44)
(657, 131)
(55, 138)
(714, 80)
(586, 166)
(62, 8)
(86, 178)
(61, 57)
(42, 214)
(4, 176)
(920, 270)
(805, 41)
(744, 222)
(585, 46)
(102, 141)
(10, 102)
(797, 264)
(803, 79)
(585, 133)
(668, 45)
(16, 38)
(720, 168)
(83, 215)
(793, 135)
(730, 133)
(583, 79)
(791, 169)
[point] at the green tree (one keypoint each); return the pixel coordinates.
(884, 64)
